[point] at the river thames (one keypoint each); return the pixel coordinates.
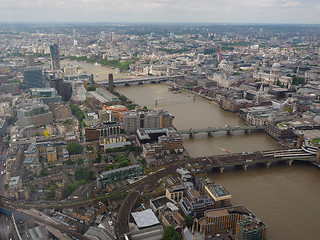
(285, 197)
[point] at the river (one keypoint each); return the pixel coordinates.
(285, 197)
(192, 111)
(99, 72)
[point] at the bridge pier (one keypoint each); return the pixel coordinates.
(210, 134)
(229, 132)
(244, 167)
(268, 164)
(289, 162)
(191, 134)
(318, 155)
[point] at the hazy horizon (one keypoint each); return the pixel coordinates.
(162, 11)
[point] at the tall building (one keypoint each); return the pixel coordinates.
(249, 230)
(54, 56)
(64, 89)
(33, 77)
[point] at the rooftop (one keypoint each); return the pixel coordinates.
(217, 192)
(14, 181)
(145, 218)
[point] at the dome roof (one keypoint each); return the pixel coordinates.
(224, 61)
(276, 65)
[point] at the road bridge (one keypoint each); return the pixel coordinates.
(261, 157)
(152, 79)
(211, 130)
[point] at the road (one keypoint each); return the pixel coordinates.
(7, 230)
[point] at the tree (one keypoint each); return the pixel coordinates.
(143, 161)
(76, 111)
(123, 163)
(109, 167)
(98, 158)
(80, 161)
(169, 233)
(189, 221)
(91, 88)
(83, 174)
(43, 172)
(74, 148)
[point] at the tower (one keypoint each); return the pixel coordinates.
(110, 82)
(54, 57)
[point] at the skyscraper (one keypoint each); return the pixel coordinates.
(33, 77)
(54, 56)
(29, 60)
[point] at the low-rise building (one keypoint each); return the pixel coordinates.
(34, 113)
(175, 193)
(135, 119)
(217, 192)
(117, 174)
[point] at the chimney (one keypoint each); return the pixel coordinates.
(110, 82)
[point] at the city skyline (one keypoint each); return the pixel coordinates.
(164, 11)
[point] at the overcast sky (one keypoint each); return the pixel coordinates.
(211, 11)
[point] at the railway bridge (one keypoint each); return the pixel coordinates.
(261, 157)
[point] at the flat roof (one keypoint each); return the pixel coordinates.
(145, 218)
(228, 211)
(14, 181)
(161, 201)
(117, 145)
(29, 160)
(136, 166)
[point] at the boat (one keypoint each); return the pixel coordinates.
(174, 88)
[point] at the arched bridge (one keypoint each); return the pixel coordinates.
(228, 129)
(153, 79)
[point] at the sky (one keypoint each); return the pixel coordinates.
(206, 11)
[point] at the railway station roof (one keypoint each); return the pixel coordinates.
(145, 218)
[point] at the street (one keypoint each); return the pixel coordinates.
(7, 230)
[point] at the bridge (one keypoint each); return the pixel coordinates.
(153, 79)
(228, 129)
(261, 157)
